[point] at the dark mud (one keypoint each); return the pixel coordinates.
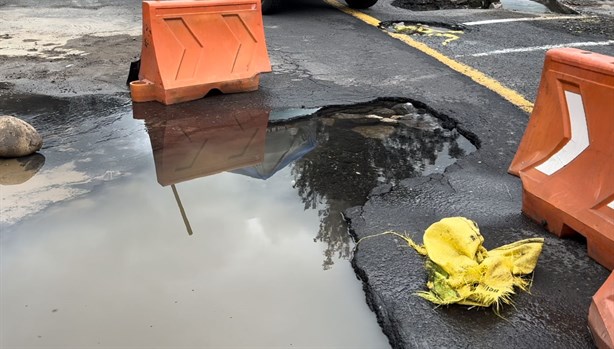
(58, 74)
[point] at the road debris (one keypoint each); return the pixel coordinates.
(460, 270)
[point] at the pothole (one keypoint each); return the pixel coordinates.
(537, 6)
(335, 155)
(524, 6)
(430, 5)
(362, 146)
(530, 6)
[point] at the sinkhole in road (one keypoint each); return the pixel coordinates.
(336, 155)
(528, 6)
(105, 255)
(537, 6)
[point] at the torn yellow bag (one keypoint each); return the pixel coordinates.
(460, 270)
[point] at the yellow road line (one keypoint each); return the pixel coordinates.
(510, 95)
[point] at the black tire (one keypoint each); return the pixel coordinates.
(360, 4)
(270, 6)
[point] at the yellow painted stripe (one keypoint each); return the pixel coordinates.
(510, 95)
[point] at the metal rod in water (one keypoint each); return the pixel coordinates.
(183, 215)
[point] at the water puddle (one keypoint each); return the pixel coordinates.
(534, 6)
(204, 224)
(528, 6)
(88, 140)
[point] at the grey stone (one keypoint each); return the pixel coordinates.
(495, 5)
(404, 108)
(346, 116)
(375, 131)
(18, 138)
(389, 121)
(385, 112)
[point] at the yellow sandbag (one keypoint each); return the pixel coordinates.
(462, 271)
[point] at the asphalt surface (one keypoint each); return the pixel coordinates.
(320, 57)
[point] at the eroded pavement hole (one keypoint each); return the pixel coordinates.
(350, 150)
(431, 5)
(530, 6)
(261, 191)
(383, 141)
(336, 155)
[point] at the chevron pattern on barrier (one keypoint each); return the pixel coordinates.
(579, 137)
(192, 47)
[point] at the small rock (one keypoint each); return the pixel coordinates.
(495, 5)
(389, 121)
(358, 119)
(404, 108)
(346, 116)
(383, 112)
(375, 132)
(327, 122)
(372, 116)
(18, 138)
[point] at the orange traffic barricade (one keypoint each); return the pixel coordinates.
(601, 315)
(566, 157)
(192, 47)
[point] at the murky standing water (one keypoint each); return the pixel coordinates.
(529, 6)
(230, 235)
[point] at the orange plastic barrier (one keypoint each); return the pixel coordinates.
(566, 157)
(198, 139)
(601, 315)
(192, 47)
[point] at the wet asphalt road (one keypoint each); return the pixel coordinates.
(322, 56)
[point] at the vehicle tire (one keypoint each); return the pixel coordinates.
(360, 4)
(270, 6)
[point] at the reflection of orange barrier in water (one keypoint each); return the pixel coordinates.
(601, 315)
(566, 157)
(200, 139)
(192, 47)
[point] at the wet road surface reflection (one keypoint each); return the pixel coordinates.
(115, 267)
(536, 6)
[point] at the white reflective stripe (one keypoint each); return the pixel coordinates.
(524, 19)
(539, 48)
(579, 137)
(611, 205)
